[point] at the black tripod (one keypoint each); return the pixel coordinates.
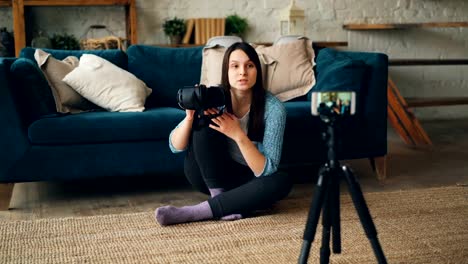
(327, 198)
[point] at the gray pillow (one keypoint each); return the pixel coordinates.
(66, 99)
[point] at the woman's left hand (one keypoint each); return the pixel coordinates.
(228, 124)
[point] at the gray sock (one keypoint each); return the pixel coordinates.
(231, 217)
(216, 191)
(170, 215)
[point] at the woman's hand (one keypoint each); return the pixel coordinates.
(227, 123)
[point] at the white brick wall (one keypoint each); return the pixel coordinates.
(324, 23)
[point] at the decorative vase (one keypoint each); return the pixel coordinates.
(176, 39)
(41, 41)
(7, 47)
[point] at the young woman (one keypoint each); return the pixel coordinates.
(234, 159)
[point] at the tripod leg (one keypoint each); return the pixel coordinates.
(313, 217)
(331, 217)
(364, 214)
(326, 223)
(335, 211)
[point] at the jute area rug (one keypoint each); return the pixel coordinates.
(420, 226)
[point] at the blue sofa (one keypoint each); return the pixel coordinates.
(39, 144)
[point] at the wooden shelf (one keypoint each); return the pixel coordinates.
(433, 101)
(177, 45)
(75, 2)
(430, 101)
(426, 62)
(19, 20)
(325, 44)
(5, 3)
(321, 44)
(404, 25)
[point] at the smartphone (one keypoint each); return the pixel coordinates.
(335, 102)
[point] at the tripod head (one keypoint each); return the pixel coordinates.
(332, 106)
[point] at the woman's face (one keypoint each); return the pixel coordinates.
(242, 71)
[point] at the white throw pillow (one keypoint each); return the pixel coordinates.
(107, 85)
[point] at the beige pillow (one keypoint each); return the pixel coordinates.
(66, 99)
(291, 74)
(107, 85)
(212, 64)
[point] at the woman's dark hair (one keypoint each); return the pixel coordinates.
(256, 124)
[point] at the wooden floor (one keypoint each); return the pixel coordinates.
(446, 164)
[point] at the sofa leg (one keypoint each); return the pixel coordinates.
(379, 166)
(6, 191)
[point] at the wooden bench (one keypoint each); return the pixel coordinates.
(399, 113)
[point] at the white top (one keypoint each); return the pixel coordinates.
(233, 149)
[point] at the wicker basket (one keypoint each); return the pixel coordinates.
(110, 42)
(89, 41)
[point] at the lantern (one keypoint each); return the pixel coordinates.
(292, 20)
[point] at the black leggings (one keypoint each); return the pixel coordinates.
(208, 165)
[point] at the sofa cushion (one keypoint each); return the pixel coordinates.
(117, 57)
(107, 85)
(100, 127)
(33, 94)
(372, 67)
(165, 70)
(337, 71)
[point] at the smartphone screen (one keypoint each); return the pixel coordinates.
(335, 102)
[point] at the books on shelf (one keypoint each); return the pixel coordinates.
(190, 23)
(199, 30)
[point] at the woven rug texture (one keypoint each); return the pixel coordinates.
(418, 226)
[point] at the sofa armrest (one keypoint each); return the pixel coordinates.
(376, 100)
(13, 135)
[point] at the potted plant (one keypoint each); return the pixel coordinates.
(65, 42)
(236, 25)
(175, 29)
